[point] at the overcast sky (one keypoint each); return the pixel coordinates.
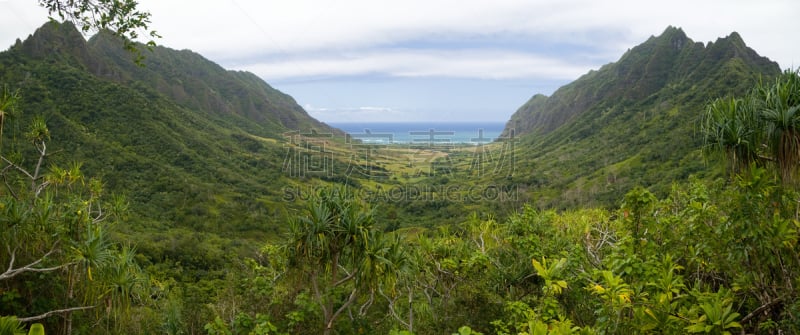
(432, 60)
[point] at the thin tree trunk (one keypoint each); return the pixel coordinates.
(350, 300)
(329, 314)
(410, 310)
(70, 295)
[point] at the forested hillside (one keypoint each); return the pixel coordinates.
(193, 152)
(185, 140)
(631, 122)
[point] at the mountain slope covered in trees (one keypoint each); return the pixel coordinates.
(195, 151)
(632, 122)
(186, 140)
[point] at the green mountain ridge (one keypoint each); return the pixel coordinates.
(664, 62)
(630, 122)
(190, 143)
(184, 76)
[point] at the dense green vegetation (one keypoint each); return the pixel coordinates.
(56, 236)
(215, 209)
(760, 128)
(632, 122)
(712, 257)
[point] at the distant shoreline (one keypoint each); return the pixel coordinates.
(421, 133)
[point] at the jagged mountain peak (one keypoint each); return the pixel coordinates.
(734, 37)
(54, 30)
(666, 60)
(733, 40)
(674, 36)
(55, 40)
(184, 76)
(633, 121)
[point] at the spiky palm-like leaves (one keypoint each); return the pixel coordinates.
(123, 280)
(761, 128)
(335, 226)
(780, 111)
(336, 247)
(9, 325)
(54, 223)
(731, 126)
(93, 250)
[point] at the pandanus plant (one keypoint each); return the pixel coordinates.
(336, 247)
(780, 110)
(761, 128)
(732, 127)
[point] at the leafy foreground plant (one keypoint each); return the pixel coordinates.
(9, 325)
(710, 258)
(762, 128)
(54, 225)
(337, 249)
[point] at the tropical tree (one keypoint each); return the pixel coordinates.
(779, 106)
(731, 126)
(340, 254)
(760, 128)
(54, 239)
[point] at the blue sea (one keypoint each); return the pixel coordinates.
(435, 133)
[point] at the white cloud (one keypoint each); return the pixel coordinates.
(281, 31)
(18, 19)
(475, 63)
(356, 114)
(284, 33)
(286, 27)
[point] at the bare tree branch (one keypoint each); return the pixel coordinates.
(12, 272)
(15, 166)
(42, 154)
(391, 301)
(345, 279)
(362, 311)
(353, 295)
(760, 309)
(58, 311)
(37, 189)
(8, 186)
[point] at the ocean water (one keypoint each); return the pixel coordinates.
(433, 133)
